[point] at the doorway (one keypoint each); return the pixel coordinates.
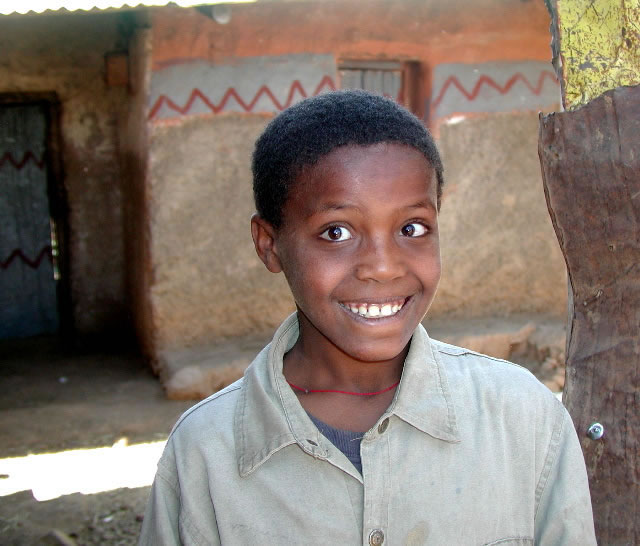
(30, 221)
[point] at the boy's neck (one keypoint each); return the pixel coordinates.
(314, 362)
(313, 370)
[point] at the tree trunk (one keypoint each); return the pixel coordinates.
(590, 161)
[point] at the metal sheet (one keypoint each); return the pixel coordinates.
(28, 303)
(8, 7)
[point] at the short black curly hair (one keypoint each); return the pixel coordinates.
(309, 130)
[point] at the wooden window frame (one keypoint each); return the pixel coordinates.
(411, 85)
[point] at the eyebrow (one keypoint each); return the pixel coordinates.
(327, 207)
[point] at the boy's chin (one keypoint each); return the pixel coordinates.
(358, 344)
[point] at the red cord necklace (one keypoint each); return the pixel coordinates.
(307, 391)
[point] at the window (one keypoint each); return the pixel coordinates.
(393, 79)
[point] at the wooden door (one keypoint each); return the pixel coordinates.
(28, 303)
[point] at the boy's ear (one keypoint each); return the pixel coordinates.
(264, 239)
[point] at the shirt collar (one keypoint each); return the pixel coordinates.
(423, 398)
(269, 417)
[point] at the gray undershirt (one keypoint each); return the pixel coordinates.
(346, 441)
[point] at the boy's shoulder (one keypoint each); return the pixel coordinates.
(482, 362)
(219, 408)
(467, 369)
(496, 397)
(210, 414)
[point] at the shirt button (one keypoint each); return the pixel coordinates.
(383, 426)
(376, 537)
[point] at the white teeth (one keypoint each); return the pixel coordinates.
(374, 310)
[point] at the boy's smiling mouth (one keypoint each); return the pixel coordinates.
(375, 310)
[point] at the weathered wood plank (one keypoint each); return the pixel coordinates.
(590, 161)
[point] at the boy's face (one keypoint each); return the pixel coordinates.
(359, 248)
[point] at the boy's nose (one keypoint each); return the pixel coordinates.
(380, 260)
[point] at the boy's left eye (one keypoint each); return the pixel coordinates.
(414, 229)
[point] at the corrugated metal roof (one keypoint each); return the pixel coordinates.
(8, 7)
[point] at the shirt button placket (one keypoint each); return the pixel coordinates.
(375, 451)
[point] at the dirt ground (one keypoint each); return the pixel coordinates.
(53, 400)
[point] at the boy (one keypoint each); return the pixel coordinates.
(353, 426)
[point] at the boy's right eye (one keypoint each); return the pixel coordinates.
(336, 233)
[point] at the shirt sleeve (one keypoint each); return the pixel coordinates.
(564, 515)
(160, 523)
(168, 520)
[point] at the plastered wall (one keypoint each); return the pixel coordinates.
(500, 255)
(207, 281)
(134, 160)
(64, 54)
(483, 74)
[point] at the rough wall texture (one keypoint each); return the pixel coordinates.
(134, 155)
(474, 51)
(498, 86)
(208, 281)
(499, 252)
(429, 30)
(64, 54)
(252, 85)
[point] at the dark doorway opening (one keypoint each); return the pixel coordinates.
(34, 288)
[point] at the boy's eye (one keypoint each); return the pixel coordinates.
(414, 229)
(336, 233)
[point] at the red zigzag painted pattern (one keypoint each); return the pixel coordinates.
(487, 80)
(8, 158)
(34, 264)
(232, 93)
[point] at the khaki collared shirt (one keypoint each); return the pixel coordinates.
(472, 450)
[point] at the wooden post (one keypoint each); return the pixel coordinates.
(590, 158)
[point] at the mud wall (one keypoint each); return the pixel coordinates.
(213, 87)
(500, 255)
(134, 157)
(65, 54)
(207, 281)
